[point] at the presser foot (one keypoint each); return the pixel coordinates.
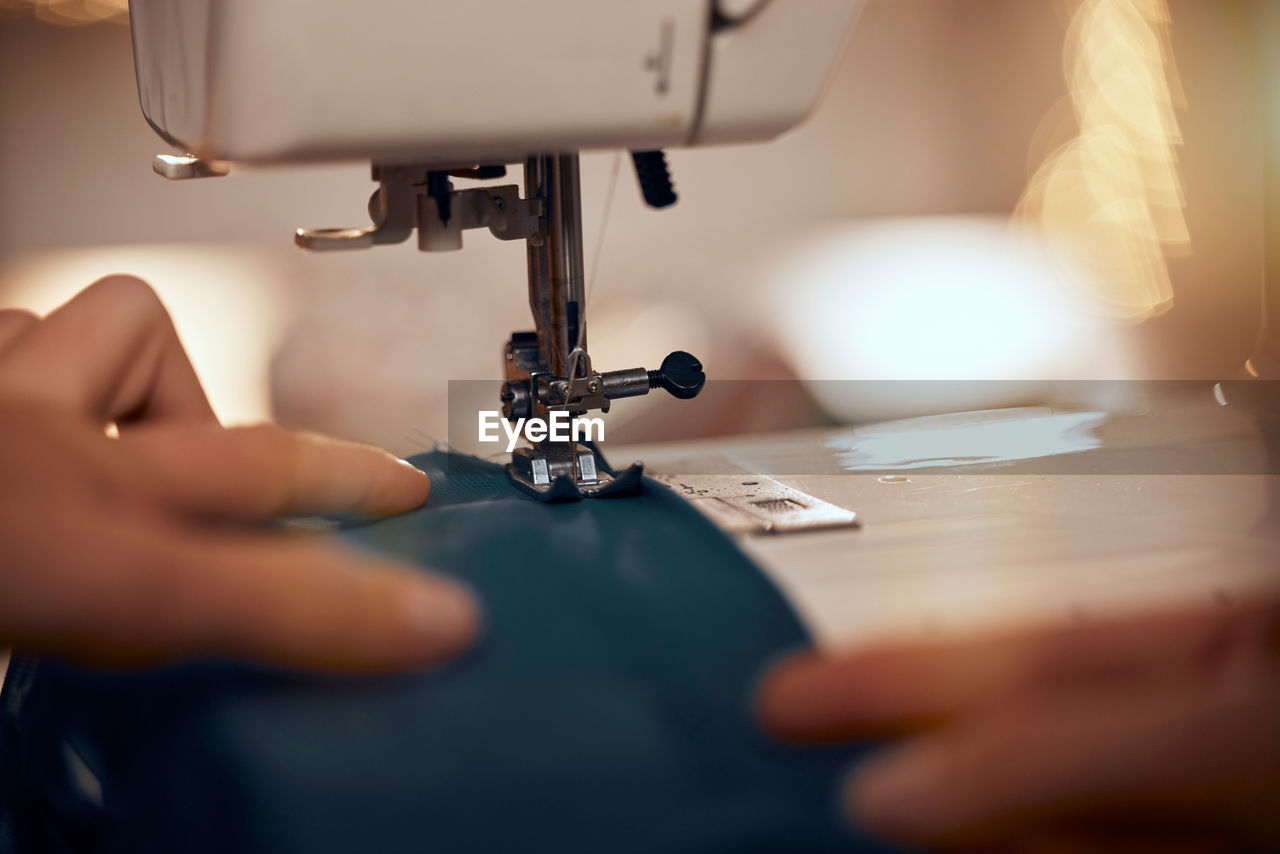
(560, 471)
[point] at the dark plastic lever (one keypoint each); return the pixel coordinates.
(655, 178)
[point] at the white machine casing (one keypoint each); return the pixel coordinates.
(477, 81)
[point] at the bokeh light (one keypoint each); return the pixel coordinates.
(939, 302)
(68, 12)
(1110, 198)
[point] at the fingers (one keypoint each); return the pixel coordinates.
(879, 692)
(1181, 757)
(111, 353)
(900, 688)
(312, 604)
(1158, 720)
(13, 323)
(255, 473)
(296, 600)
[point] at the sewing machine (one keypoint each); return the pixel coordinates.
(607, 708)
(418, 90)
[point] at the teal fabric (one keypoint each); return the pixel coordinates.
(607, 709)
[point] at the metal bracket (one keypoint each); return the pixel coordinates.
(583, 388)
(404, 202)
(180, 167)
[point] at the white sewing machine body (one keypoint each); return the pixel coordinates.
(431, 90)
(480, 81)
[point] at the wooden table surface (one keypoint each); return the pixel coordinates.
(1171, 504)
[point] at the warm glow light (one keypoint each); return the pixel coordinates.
(69, 12)
(940, 300)
(1110, 198)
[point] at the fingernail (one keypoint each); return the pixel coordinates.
(889, 795)
(421, 489)
(419, 473)
(444, 615)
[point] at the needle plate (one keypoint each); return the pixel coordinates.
(754, 504)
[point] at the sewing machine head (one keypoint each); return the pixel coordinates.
(429, 91)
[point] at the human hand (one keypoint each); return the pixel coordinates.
(1158, 733)
(148, 546)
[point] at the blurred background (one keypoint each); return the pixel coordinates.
(993, 189)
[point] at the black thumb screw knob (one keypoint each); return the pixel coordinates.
(681, 374)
